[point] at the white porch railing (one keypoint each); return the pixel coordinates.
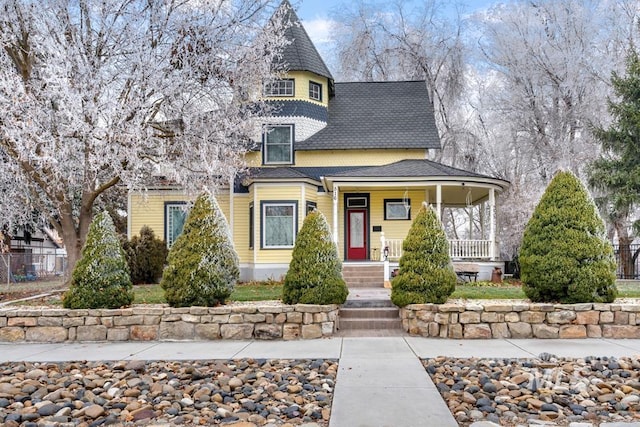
(458, 249)
(470, 249)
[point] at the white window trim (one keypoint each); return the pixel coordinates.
(287, 84)
(294, 223)
(266, 161)
(170, 240)
(319, 86)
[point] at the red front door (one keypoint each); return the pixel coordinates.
(357, 234)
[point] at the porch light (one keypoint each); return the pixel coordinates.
(386, 252)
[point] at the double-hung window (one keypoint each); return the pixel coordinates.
(175, 216)
(280, 88)
(279, 224)
(315, 91)
(278, 144)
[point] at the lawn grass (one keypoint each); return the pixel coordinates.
(487, 292)
(626, 289)
(153, 294)
(270, 290)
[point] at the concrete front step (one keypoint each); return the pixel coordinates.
(367, 303)
(370, 313)
(367, 314)
(365, 324)
(364, 284)
(363, 276)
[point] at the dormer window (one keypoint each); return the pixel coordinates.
(278, 144)
(315, 91)
(280, 88)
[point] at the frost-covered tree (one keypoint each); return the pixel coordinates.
(565, 255)
(202, 266)
(426, 274)
(103, 92)
(540, 78)
(315, 271)
(101, 276)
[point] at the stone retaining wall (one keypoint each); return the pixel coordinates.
(140, 323)
(522, 320)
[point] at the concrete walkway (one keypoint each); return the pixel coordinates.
(380, 383)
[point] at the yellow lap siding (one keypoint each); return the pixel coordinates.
(393, 229)
(275, 192)
(149, 209)
(343, 157)
(241, 227)
(325, 205)
(355, 157)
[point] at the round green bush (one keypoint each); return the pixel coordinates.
(426, 274)
(146, 255)
(565, 256)
(315, 271)
(202, 266)
(101, 276)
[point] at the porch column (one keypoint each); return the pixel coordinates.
(439, 201)
(335, 214)
(492, 223)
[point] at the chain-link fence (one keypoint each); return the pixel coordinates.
(30, 267)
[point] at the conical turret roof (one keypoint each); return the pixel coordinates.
(301, 54)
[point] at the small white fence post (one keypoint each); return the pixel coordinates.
(384, 252)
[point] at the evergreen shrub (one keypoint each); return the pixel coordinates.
(315, 271)
(565, 256)
(426, 274)
(146, 255)
(202, 266)
(100, 279)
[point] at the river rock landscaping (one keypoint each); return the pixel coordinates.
(546, 391)
(242, 393)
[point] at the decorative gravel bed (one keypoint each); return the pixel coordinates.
(247, 393)
(544, 391)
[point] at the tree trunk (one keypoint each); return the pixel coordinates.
(74, 235)
(625, 257)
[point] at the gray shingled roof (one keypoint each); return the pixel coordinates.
(299, 172)
(369, 115)
(408, 168)
(301, 54)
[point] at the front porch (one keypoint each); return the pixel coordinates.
(372, 208)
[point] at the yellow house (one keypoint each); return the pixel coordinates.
(359, 152)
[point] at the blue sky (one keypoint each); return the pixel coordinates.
(316, 14)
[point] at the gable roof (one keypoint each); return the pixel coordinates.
(369, 115)
(300, 54)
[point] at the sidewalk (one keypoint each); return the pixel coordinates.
(380, 382)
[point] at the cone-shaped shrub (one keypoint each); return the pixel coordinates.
(426, 274)
(202, 266)
(146, 255)
(101, 276)
(565, 256)
(315, 271)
